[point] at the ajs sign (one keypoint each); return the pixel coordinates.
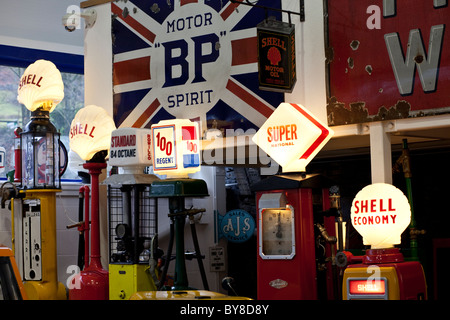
(236, 226)
(188, 59)
(387, 59)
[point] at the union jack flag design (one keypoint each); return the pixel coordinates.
(192, 59)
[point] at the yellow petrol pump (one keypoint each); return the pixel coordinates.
(133, 215)
(380, 213)
(34, 207)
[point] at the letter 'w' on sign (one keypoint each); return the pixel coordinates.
(416, 56)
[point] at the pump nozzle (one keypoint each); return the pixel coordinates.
(7, 193)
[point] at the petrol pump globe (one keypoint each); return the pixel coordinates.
(90, 132)
(380, 213)
(40, 89)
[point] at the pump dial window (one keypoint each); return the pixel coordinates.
(277, 233)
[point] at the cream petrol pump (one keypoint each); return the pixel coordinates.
(34, 207)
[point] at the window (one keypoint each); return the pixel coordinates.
(13, 114)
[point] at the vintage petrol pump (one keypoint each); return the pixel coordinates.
(176, 153)
(288, 208)
(34, 207)
(380, 213)
(90, 138)
(287, 216)
(133, 215)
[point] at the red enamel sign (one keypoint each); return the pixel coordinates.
(387, 59)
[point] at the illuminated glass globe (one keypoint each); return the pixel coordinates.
(40, 90)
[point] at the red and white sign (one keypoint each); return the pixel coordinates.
(164, 147)
(387, 59)
(176, 147)
(380, 213)
(369, 287)
(292, 136)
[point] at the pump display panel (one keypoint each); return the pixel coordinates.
(364, 288)
(277, 234)
(32, 240)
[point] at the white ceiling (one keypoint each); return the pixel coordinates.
(38, 24)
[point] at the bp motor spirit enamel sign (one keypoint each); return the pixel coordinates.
(387, 59)
(188, 59)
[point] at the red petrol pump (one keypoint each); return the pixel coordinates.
(92, 282)
(291, 207)
(380, 213)
(90, 137)
(288, 208)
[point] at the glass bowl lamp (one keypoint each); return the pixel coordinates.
(40, 145)
(40, 89)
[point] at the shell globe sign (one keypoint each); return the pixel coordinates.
(188, 59)
(380, 213)
(41, 83)
(90, 131)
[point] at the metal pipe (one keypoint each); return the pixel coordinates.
(135, 219)
(95, 170)
(126, 196)
(168, 254)
(301, 13)
(86, 226)
(404, 161)
(81, 235)
(325, 235)
(198, 253)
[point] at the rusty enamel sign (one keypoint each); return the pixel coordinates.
(387, 59)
